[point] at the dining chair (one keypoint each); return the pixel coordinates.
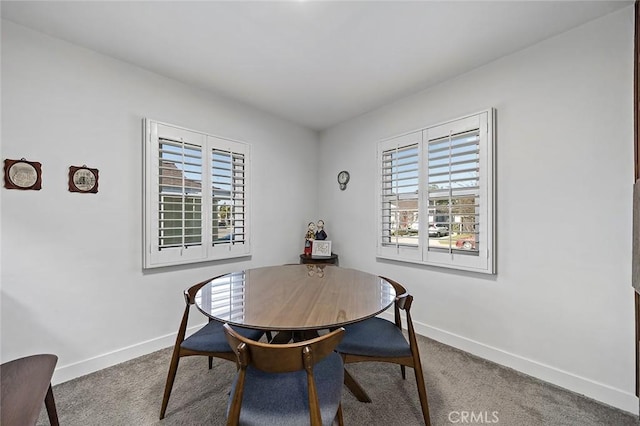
(208, 341)
(377, 339)
(24, 384)
(286, 384)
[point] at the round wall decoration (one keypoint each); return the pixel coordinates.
(343, 179)
(22, 174)
(83, 179)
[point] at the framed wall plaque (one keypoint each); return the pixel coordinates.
(22, 174)
(321, 249)
(83, 179)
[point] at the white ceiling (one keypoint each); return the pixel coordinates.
(314, 63)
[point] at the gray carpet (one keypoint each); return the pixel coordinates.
(131, 393)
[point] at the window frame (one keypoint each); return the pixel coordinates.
(154, 254)
(485, 259)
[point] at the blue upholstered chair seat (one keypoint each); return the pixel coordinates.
(281, 399)
(211, 338)
(374, 337)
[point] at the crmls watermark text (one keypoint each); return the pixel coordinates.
(474, 417)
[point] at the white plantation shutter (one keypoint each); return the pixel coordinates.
(398, 230)
(453, 186)
(455, 194)
(400, 195)
(228, 183)
(182, 223)
(180, 194)
(459, 189)
(229, 189)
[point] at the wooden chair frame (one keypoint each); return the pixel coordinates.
(281, 358)
(179, 351)
(26, 382)
(403, 302)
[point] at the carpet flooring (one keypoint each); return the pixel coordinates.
(462, 389)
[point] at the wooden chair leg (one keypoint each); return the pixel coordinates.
(422, 391)
(339, 415)
(403, 371)
(210, 362)
(173, 368)
(50, 404)
(355, 387)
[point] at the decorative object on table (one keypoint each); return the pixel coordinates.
(309, 237)
(343, 179)
(22, 174)
(321, 249)
(320, 232)
(83, 179)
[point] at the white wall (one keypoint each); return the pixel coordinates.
(561, 306)
(72, 280)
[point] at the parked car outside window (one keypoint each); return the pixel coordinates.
(466, 243)
(438, 230)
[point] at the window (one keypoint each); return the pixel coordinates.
(436, 195)
(196, 196)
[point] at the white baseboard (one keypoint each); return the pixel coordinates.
(71, 371)
(599, 391)
(604, 393)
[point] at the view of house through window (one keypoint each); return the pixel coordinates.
(196, 196)
(436, 195)
(180, 202)
(453, 192)
(228, 185)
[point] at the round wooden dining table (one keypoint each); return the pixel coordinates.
(295, 297)
(296, 301)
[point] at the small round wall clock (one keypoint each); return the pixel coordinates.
(83, 179)
(22, 174)
(343, 179)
